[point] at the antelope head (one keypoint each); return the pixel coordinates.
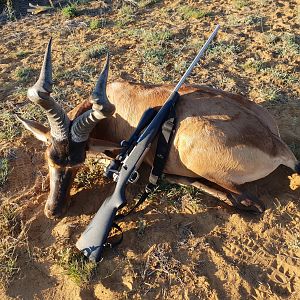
(67, 140)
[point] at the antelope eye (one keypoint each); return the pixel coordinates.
(55, 159)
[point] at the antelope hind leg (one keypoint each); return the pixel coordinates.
(242, 200)
(247, 201)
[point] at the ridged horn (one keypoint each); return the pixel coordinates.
(101, 109)
(40, 94)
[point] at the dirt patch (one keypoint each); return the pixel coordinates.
(181, 244)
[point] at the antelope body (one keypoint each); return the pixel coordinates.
(221, 137)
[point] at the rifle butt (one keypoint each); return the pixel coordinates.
(92, 240)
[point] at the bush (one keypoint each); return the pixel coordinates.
(95, 24)
(69, 11)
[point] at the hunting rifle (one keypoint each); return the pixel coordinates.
(94, 237)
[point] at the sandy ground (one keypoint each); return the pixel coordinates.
(181, 244)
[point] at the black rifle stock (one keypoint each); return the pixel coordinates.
(115, 164)
(92, 240)
(94, 237)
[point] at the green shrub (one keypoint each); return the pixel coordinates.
(155, 56)
(75, 266)
(22, 54)
(191, 12)
(240, 3)
(125, 15)
(69, 11)
(97, 51)
(3, 170)
(24, 73)
(98, 23)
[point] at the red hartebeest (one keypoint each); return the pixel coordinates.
(220, 137)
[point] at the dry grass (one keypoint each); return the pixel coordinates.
(160, 263)
(89, 174)
(11, 127)
(182, 244)
(69, 11)
(97, 51)
(13, 242)
(188, 12)
(79, 269)
(4, 170)
(126, 15)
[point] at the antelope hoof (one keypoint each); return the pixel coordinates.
(54, 212)
(247, 202)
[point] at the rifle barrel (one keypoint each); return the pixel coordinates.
(92, 239)
(196, 59)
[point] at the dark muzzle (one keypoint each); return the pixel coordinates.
(60, 184)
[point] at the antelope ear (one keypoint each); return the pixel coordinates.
(99, 146)
(39, 131)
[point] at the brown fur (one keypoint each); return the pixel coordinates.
(220, 136)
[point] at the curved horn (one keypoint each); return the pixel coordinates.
(40, 94)
(101, 109)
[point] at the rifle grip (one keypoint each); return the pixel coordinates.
(92, 240)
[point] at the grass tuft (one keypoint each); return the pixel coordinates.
(219, 50)
(155, 56)
(273, 73)
(295, 243)
(70, 11)
(125, 15)
(240, 3)
(270, 94)
(24, 73)
(22, 54)
(254, 64)
(97, 51)
(147, 3)
(174, 193)
(88, 175)
(4, 170)
(9, 126)
(270, 38)
(154, 47)
(189, 12)
(162, 264)
(291, 44)
(76, 266)
(13, 239)
(154, 38)
(97, 23)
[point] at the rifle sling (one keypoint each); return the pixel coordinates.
(161, 155)
(113, 244)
